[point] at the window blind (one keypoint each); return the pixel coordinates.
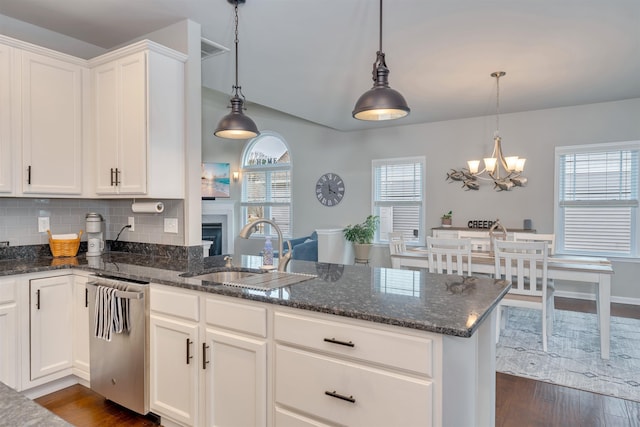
(398, 196)
(598, 202)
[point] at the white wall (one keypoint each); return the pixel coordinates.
(534, 135)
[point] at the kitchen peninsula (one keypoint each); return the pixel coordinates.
(353, 345)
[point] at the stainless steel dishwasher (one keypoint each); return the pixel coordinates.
(120, 367)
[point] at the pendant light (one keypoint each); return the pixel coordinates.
(380, 102)
(236, 125)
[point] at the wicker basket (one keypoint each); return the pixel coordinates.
(64, 247)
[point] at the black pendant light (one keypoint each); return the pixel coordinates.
(236, 125)
(380, 102)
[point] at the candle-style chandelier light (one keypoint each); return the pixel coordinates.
(504, 172)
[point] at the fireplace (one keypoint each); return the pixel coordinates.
(218, 218)
(212, 232)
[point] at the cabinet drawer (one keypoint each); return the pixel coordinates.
(286, 418)
(8, 291)
(373, 345)
(350, 394)
(180, 304)
(238, 317)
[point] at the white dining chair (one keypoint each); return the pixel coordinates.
(525, 265)
(480, 240)
(449, 256)
(397, 245)
(537, 237)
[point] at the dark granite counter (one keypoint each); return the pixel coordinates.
(444, 304)
(17, 410)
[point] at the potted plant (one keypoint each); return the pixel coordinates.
(446, 219)
(361, 235)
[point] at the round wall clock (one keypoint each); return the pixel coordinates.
(330, 189)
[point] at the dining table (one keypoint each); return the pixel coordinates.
(585, 270)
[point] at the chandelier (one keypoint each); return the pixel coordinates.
(504, 172)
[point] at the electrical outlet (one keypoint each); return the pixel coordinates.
(171, 225)
(43, 224)
(132, 223)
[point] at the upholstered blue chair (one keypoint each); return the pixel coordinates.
(304, 248)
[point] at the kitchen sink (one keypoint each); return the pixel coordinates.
(224, 276)
(263, 281)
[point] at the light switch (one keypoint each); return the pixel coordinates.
(43, 224)
(171, 225)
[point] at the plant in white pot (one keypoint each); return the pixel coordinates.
(361, 235)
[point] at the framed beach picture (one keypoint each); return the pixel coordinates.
(215, 180)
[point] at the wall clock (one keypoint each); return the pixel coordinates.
(330, 189)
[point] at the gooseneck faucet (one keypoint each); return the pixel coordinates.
(251, 227)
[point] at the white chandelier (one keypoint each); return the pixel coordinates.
(505, 172)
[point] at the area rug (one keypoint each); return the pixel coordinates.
(573, 359)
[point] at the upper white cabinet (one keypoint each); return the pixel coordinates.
(6, 182)
(51, 124)
(138, 97)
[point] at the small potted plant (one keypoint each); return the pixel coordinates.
(361, 235)
(446, 219)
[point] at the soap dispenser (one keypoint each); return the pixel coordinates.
(267, 253)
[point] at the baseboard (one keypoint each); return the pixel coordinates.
(592, 297)
(50, 387)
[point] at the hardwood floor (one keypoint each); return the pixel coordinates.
(521, 402)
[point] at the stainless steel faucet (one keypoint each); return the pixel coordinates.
(283, 259)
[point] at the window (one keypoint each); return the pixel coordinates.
(398, 197)
(266, 190)
(597, 199)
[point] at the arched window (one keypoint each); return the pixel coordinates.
(266, 176)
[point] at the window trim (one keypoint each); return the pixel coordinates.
(558, 222)
(420, 241)
(269, 169)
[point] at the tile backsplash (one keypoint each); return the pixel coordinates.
(19, 220)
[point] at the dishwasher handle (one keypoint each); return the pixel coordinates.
(119, 293)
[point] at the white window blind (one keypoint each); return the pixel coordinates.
(398, 193)
(597, 198)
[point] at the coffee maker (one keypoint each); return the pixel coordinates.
(95, 234)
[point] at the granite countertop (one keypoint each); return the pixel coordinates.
(18, 410)
(446, 304)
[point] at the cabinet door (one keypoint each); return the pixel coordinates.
(174, 374)
(9, 348)
(51, 125)
(51, 325)
(133, 120)
(81, 328)
(6, 183)
(236, 380)
(106, 126)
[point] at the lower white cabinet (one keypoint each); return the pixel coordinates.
(9, 348)
(51, 321)
(208, 359)
(333, 371)
(81, 331)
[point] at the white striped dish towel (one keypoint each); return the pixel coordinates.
(112, 314)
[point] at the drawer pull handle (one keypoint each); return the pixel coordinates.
(340, 396)
(335, 341)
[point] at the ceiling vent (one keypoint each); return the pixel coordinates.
(209, 49)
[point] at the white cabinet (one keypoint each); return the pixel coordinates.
(235, 367)
(51, 124)
(175, 359)
(9, 345)
(6, 179)
(51, 323)
(351, 374)
(138, 95)
(208, 369)
(81, 331)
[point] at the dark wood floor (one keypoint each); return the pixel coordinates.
(521, 402)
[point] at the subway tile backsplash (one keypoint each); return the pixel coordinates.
(19, 220)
